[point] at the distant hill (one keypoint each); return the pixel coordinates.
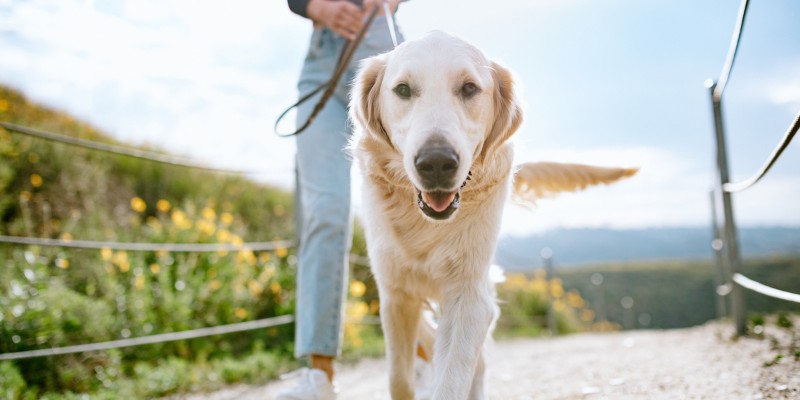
(576, 247)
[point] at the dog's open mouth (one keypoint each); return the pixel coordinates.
(439, 205)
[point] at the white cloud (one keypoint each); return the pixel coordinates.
(169, 73)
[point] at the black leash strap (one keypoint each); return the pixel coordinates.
(330, 86)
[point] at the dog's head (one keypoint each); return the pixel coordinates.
(442, 106)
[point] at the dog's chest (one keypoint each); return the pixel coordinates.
(425, 241)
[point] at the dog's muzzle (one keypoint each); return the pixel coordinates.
(437, 165)
(440, 205)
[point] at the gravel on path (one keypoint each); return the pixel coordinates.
(695, 363)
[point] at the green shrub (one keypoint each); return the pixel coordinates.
(52, 297)
(523, 307)
(11, 383)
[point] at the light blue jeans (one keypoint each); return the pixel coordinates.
(323, 193)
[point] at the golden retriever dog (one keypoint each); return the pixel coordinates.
(433, 118)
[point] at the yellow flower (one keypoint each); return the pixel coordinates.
(515, 281)
(180, 220)
(556, 289)
(163, 205)
(223, 235)
(138, 283)
(209, 214)
(254, 287)
(214, 285)
(36, 180)
(62, 263)
(237, 241)
(25, 196)
(226, 218)
(138, 205)
(587, 315)
(121, 260)
(352, 334)
(66, 236)
(264, 257)
(275, 287)
(282, 252)
(155, 268)
(106, 253)
(206, 228)
(247, 256)
(241, 313)
(374, 307)
(357, 310)
(357, 288)
(574, 299)
(3, 105)
(267, 273)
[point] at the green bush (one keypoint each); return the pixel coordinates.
(52, 297)
(523, 307)
(11, 383)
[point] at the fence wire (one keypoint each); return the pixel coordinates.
(113, 149)
(732, 51)
(748, 183)
(764, 289)
(139, 246)
(153, 339)
(136, 246)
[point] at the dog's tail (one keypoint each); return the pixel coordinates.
(538, 180)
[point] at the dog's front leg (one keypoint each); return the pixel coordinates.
(467, 312)
(400, 315)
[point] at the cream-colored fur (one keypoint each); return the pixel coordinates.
(417, 258)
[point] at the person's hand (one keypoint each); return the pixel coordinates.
(340, 16)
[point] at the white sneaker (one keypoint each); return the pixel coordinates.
(423, 379)
(313, 385)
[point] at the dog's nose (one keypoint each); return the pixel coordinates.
(437, 166)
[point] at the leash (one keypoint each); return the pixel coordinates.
(329, 87)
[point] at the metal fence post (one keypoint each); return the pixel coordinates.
(547, 258)
(730, 240)
(721, 290)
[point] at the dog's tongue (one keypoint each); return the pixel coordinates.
(439, 201)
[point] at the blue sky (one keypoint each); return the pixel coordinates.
(618, 82)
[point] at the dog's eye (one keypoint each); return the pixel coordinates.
(469, 89)
(403, 90)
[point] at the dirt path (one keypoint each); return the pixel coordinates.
(695, 363)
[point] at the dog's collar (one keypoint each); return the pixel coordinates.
(469, 178)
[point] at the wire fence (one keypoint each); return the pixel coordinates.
(725, 244)
(153, 339)
(152, 247)
(171, 336)
(112, 149)
(137, 246)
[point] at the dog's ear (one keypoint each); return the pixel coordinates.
(364, 104)
(508, 114)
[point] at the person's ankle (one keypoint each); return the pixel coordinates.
(323, 363)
